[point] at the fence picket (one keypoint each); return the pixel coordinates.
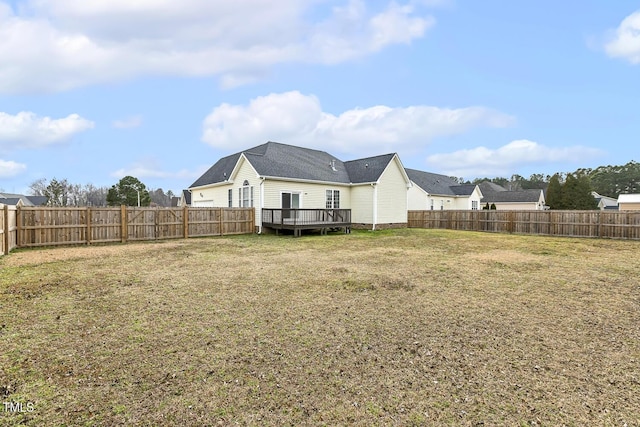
(603, 224)
(49, 226)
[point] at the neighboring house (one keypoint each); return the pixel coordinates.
(503, 199)
(22, 200)
(432, 191)
(184, 199)
(629, 202)
(604, 202)
(12, 201)
(281, 176)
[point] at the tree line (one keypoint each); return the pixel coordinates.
(128, 191)
(573, 190)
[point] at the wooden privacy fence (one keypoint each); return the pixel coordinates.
(605, 224)
(48, 226)
(8, 235)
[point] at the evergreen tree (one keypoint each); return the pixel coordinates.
(584, 200)
(554, 193)
(128, 191)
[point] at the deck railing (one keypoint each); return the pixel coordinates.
(290, 218)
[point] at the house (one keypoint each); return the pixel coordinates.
(430, 191)
(629, 202)
(285, 177)
(604, 202)
(22, 200)
(183, 200)
(503, 199)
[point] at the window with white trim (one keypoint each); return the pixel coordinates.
(474, 205)
(333, 199)
(230, 198)
(245, 195)
(432, 204)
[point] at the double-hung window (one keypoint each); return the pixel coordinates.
(333, 199)
(245, 195)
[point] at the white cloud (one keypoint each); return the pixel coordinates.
(27, 130)
(482, 161)
(150, 168)
(625, 43)
(54, 45)
(128, 123)
(9, 168)
(292, 117)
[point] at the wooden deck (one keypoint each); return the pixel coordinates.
(307, 219)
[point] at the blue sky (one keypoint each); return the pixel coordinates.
(93, 90)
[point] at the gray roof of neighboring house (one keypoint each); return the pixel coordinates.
(187, 196)
(5, 198)
(274, 159)
(490, 187)
(11, 201)
(434, 183)
(38, 200)
(494, 193)
(521, 196)
(463, 189)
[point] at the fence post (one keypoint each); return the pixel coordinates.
(88, 219)
(600, 224)
(185, 221)
(221, 223)
(155, 214)
(124, 231)
(5, 229)
(19, 232)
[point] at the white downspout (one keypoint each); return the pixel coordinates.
(375, 206)
(261, 203)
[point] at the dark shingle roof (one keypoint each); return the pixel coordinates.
(274, 159)
(463, 189)
(187, 197)
(367, 170)
(488, 187)
(434, 183)
(11, 201)
(219, 172)
(38, 200)
(494, 193)
(26, 200)
(287, 161)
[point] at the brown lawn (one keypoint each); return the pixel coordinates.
(406, 327)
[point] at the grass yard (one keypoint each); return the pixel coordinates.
(404, 327)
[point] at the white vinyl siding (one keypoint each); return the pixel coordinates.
(312, 196)
(362, 204)
(392, 195)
